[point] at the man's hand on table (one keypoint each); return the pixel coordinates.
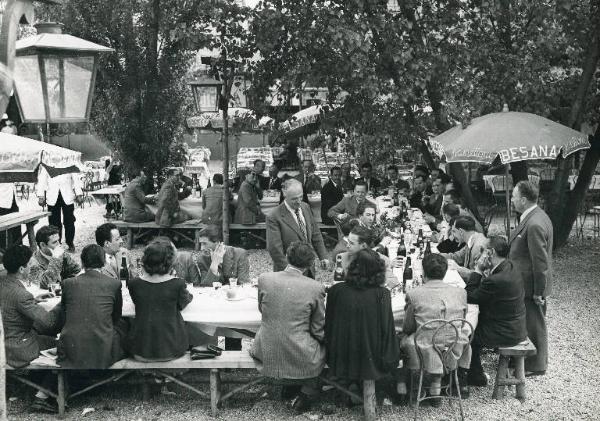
(43, 297)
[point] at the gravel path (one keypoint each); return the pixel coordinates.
(567, 392)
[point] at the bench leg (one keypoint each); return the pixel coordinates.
(501, 375)
(215, 390)
(369, 400)
(130, 238)
(197, 239)
(520, 375)
(61, 394)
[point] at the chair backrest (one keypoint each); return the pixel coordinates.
(446, 336)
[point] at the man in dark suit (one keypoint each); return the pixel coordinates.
(500, 297)
(20, 312)
(91, 303)
(331, 194)
(310, 181)
(394, 180)
(366, 175)
(531, 252)
(289, 344)
(293, 221)
(273, 182)
(109, 238)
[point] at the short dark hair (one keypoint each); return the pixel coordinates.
(172, 171)
(360, 183)
(421, 176)
(528, 190)
(435, 266)
(364, 234)
(159, 256)
(366, 165)
(465, 222)
(218, 178)
(454, 195)
(104, 233)
(348, 226)
(257, 161)
(16, 257)
(213, 232)
(500, 245)
(335, 168)
(93, 257)
(300, 254)
(363, 206)
(392, 167)
(366, 270)
(43, 234)
(423, 169)
(451, 210)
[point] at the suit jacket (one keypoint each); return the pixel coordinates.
(500, 297)
(92, 305)
(235, 265)
(134, 203)
(289, 343)
(115, 272)
(23, 319)
(347, 205)
(390, 279)
(399, 183)
(531, 252)
(468, 256)
(309, 184)
(435, 300)
(248, 210)
(434, 207)
(68, 185)
(372, 185)
(330, 196)
(168, 204)
(282, 230)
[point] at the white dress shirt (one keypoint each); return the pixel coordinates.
(7, 193)
(68, 185)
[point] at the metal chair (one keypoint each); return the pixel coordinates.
(443, 349)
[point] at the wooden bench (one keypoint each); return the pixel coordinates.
(27, 218)
(228, 360)
(503, 378)
(145, 227)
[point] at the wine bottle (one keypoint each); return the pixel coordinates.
(124, 272)
(338, 274)
(427, 248)
(407, 275)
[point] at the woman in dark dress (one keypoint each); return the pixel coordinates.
(159, 332)
(359, 324)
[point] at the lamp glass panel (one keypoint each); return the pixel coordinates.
(77, 82)
(28, 84)
(206, 98)
(55, 98)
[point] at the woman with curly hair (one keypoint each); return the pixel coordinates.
(159, 332)
(359, 324)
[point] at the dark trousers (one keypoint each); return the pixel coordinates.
(476, 369)
(13, 235)
(68, 219)
(537, 332)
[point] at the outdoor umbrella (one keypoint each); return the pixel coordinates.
(20, 158)
(305, 121)
(509, 136)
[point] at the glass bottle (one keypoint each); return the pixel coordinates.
(124, 272)
(338, 274)
(407, 275)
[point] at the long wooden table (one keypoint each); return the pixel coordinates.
(27, 218)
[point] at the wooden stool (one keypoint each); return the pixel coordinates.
(518, 354)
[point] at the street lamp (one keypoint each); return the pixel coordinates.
(206, 91)
(55, 75)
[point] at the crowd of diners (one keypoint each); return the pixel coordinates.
(350, 328)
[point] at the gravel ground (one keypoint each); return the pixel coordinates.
(565, 393)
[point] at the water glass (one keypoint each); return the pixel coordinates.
(217, 285)
(233, 282)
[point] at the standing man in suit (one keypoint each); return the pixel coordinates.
(463, 231)
(366, 174)
(92, 303)
(248, 210)
(109, 238)
(60, 194)
(500, 297)
(331, 194)
(289, 343)
(531, 252)
(310, 181)
(293, 221)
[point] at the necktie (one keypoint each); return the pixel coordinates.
(301, 224)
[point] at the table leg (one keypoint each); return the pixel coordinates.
(61, 394)
(215, 390)
(520, 375)
(31, 236)
(369, 400)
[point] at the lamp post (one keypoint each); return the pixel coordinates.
(61, 70)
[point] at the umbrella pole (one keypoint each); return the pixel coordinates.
(507, 189)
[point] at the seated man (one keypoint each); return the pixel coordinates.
(366, 175)
(289, 344)
(433, 300)
(463, 230)
(216, 262)
(248, 210)
(135, 201)
(394, 180)
(212, 201)
(346, 178)
(91, 305)
(109, 238)
(25, 321)
(310, 181)
(419, 190)
(361, 238)
(445, 239)
(168, 212)
(342, 245)
(500, 297)
(273, 182)
(432, 205)
(348, 206)
(331, 193)
(50, 263)
(452, 196)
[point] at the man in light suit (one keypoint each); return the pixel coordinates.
(293, 221)
(531, 252)
(289, 344)
(60, 194)
(109, 238)
(463, 231)
(347, 207)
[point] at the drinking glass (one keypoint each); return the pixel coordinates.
(233, 282)
(217, 285)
